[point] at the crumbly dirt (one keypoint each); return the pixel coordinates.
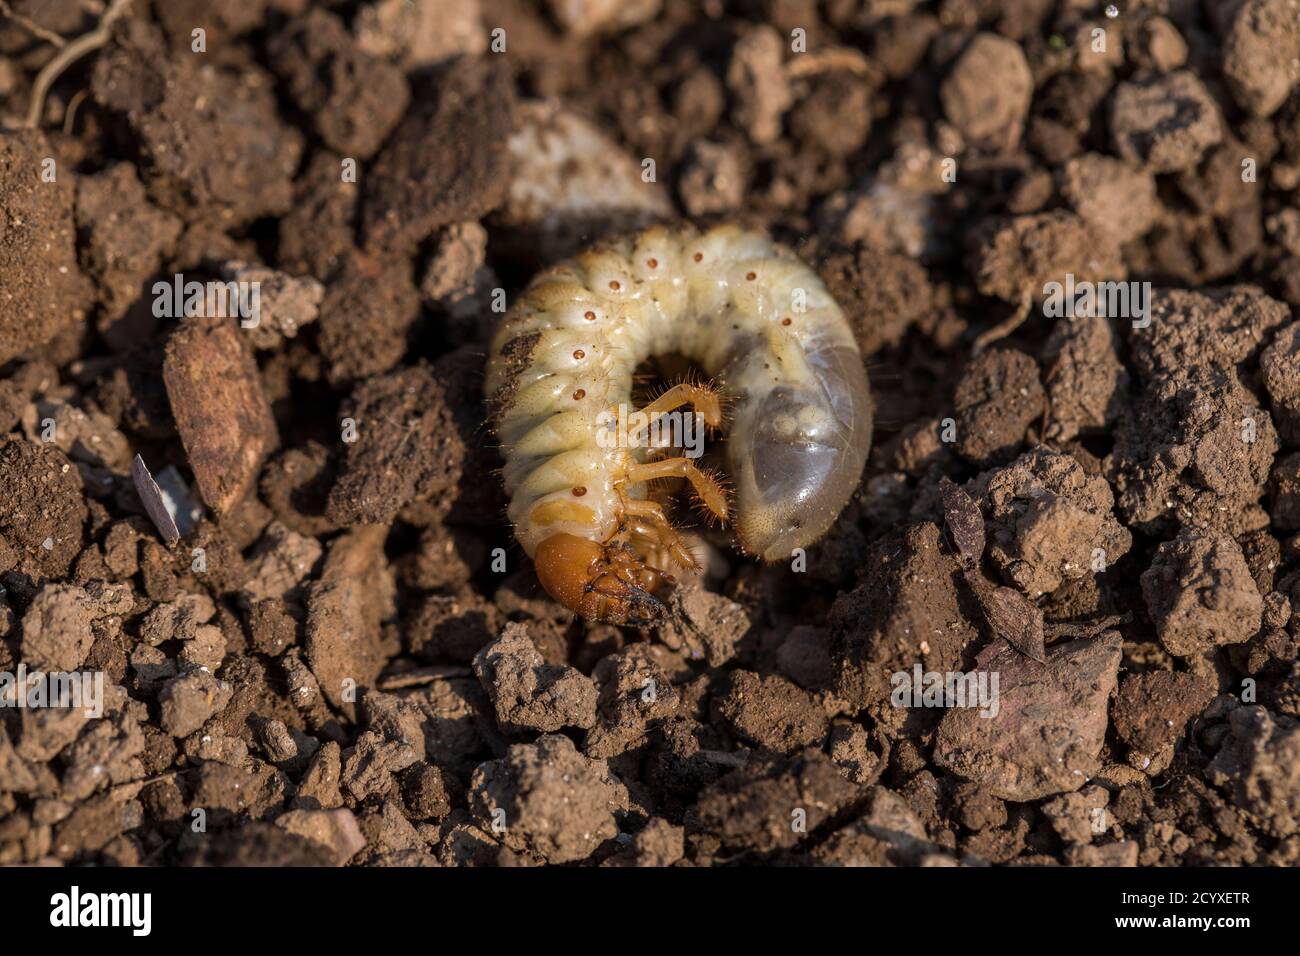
(344, 659)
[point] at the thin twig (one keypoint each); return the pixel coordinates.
(70, 114)
(135, 786)
(31, 26)
(836, 58)
(1006, 326)
(74, 51)
(423, 675)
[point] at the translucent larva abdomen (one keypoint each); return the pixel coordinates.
(757, 320)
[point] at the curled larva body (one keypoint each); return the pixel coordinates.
(756, 319)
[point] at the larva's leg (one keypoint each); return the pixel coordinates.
(628, 568)
(702, 398)
(706, 486)
(660, 529)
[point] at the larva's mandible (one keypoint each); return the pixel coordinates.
(752, 316)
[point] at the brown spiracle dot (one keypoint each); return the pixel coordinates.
(579, 491)
(751, 276)
(613, 285)
(787, 320)
(652, 263)
(579, 394)
(579, 354)
(699, 257)
(589, 316)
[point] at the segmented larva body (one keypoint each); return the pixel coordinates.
(749, 314)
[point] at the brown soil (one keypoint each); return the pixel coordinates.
(342, 657)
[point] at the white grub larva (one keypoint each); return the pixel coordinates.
(751, 316)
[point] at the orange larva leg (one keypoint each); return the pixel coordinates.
(702, 398)
(706, 486)
(662, 531)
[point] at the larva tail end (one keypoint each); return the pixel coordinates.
(603, 584)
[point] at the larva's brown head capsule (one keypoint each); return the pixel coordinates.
(607, 584)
